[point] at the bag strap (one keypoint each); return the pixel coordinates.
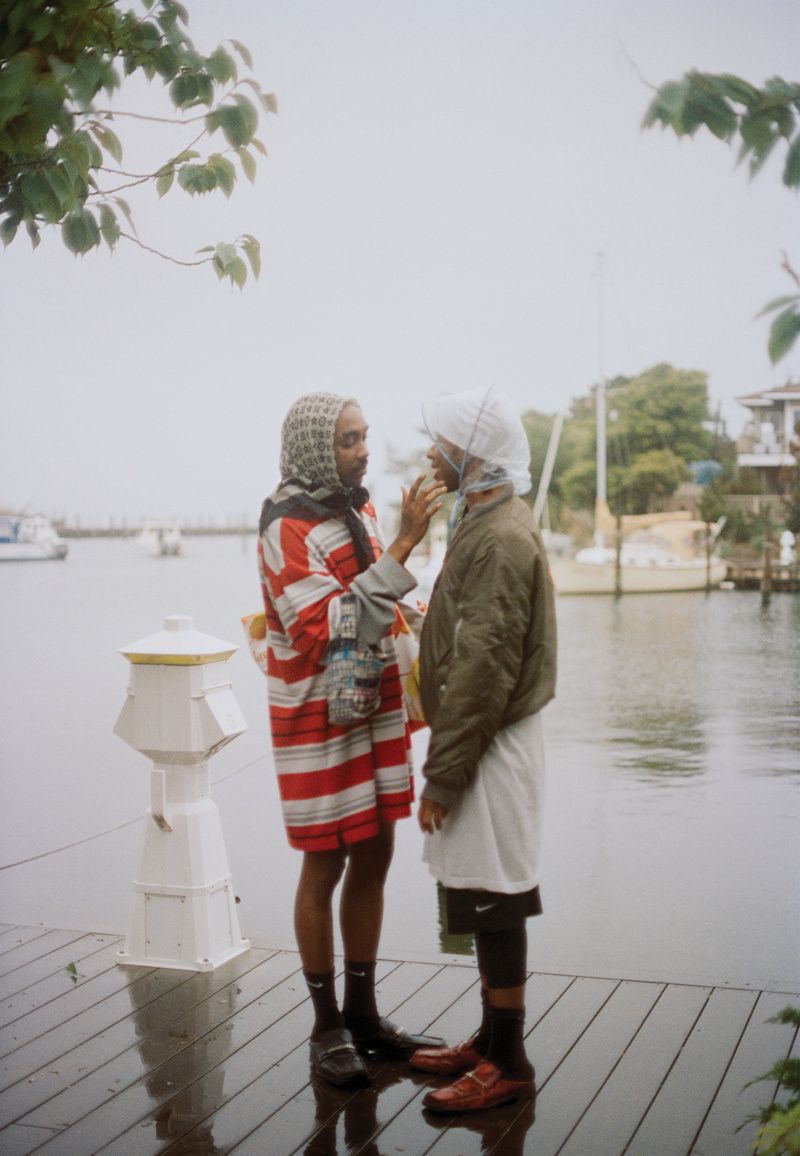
(348, 616)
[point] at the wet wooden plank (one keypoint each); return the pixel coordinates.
(315, 1111)
(677, 1113)
(761, 1046)
(101, 1000)
(563, 1096)
(88, 1075)
(18, 1141)
(26, 988)
(183, 1062)
(447, 1133)
(192, 1080)
(89, 1020)
(262, 1077)
(615, 1113)
(31, 943)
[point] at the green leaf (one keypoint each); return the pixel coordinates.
(79, 232)
(244, 52)
(33, 233)
(270, 101)
(123, 204)
(109, 226)
(706, 105)
(197, 179)
(248, 164)
(225, 254)
(667, 105)
(8, 229)
(783, 333)
(164, 180)
(779, 303)
(108, 139)
(221, 66)
(238, 120)
(39, 198)
(257, 144)
(184, 89)
(791, 170)
(252, 250)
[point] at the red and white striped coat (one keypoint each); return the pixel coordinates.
(336, 783)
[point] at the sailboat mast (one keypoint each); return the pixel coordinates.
(601, 503)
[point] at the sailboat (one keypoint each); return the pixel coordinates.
(642, 553)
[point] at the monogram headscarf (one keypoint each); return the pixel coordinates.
(310, 485)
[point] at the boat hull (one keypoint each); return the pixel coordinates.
(32, 551)
(572, 577)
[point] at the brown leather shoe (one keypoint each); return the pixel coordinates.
(484, 1087)
(446, 1061)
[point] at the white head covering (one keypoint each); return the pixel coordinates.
(487, 427)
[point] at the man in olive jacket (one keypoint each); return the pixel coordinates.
(488, 667)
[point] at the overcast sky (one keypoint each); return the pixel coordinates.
(442, 175)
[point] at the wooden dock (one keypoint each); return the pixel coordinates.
(103, 1058)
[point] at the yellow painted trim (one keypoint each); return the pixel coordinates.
(177, 659)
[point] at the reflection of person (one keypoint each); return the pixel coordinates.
(341, 787)
(488, 666)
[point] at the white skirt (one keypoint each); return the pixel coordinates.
(490, 839)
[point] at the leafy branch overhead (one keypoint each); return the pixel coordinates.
(61, 161)
(760, 119)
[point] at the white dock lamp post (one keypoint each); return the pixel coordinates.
(180, 710)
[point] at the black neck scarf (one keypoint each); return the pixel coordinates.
(299, 503)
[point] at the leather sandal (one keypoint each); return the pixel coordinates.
(391, 1042)
(484, 1087)
(334, 1057)
(446, 1061)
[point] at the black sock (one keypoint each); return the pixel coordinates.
(360, 1008)
(507, 1043)
(485, 1030)
(323, 996)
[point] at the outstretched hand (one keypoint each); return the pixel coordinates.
(420, 503)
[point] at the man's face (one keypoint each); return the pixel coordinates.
(350, 446)
(443, 469)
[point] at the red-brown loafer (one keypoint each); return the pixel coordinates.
(483, 1087)
(446, 1061)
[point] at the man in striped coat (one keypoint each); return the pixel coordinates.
(342, 787)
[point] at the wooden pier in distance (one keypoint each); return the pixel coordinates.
(102, 1058)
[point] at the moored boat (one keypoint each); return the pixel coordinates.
(29, 538)
(161, 537)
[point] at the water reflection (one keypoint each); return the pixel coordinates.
(198, 1041)
(450, 942)
(499, 1130)
(660, 741)
(347, 1120)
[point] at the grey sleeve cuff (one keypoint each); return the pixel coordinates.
(438, 793)
(378, 590)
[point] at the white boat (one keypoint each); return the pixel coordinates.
(160, 537)
(658, 554)
(29, 538)
(654, 553)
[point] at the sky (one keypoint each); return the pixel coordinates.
(442, 175)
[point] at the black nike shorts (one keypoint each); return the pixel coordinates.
(469, 910)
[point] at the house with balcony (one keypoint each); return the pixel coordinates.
(770, 441)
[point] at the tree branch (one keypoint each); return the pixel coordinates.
(788, 269)
(164, 256)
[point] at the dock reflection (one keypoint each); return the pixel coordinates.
(353, 1122)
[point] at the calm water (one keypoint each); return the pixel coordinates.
(671, 833)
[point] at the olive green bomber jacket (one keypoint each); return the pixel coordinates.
(488, 644)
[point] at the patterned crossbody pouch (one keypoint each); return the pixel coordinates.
(354, 670)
